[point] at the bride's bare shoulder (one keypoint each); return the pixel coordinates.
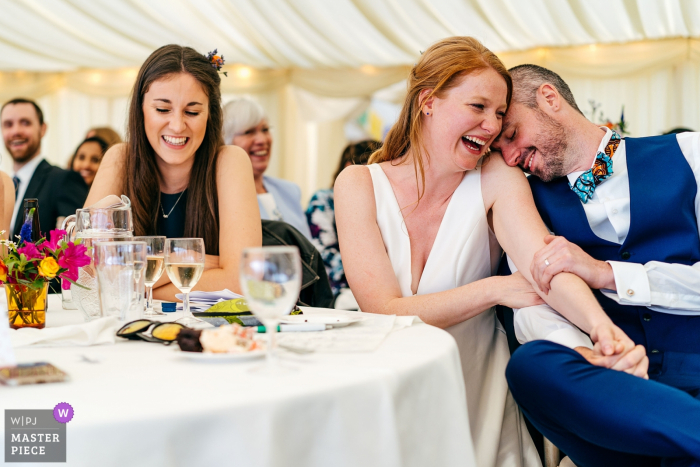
(499, 179)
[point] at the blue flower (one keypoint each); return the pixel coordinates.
(25, 233)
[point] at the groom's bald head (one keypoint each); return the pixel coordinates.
(527, 80)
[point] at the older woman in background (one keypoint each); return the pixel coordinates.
(87, 158)
(321, 218)
(246, 126)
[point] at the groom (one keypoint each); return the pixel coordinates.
(625, 214)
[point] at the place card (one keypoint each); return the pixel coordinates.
(7, 354)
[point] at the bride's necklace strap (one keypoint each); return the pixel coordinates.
(165, 216)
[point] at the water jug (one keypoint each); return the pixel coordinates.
(109, 219)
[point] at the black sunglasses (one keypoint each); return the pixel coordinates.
(151, 331)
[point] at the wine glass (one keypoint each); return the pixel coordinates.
(155, 265)
(184, 262)
(271, 279)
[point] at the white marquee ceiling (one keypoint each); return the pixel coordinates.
(53, 35)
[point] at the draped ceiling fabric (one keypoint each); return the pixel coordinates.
(315, 63)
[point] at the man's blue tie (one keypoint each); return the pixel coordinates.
(585, 184)
(15, 180)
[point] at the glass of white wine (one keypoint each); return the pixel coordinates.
(271, 279)
(184, 263)
(155, 265)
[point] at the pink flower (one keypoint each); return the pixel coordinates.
(55, 236)
(30, 251)
(72, 258)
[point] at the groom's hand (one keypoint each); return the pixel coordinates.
(560, 255)
(614, 350)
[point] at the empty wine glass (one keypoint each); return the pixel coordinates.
(155, 265)
(184, 263)
(271, 279)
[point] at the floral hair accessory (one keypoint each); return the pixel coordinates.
(217, 61)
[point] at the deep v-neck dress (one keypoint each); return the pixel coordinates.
(465, 250)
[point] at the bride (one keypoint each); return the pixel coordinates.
(420, 227)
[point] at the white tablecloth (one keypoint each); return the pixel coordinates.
(143, 404)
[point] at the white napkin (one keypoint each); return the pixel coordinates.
(99, 331)
(7, 355)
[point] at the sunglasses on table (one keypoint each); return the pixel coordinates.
(151, 331)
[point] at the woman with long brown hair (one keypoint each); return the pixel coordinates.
(181, 178)
(420, 227)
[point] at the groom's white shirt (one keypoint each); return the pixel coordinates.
(662, 287)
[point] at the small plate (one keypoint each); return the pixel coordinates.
(336, 320)
(222, 357)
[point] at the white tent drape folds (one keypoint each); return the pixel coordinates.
(314, 63)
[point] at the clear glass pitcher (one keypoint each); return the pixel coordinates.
(109, 219)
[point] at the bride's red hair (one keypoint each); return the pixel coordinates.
(439, 69)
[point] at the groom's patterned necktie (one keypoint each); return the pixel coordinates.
(602, 168)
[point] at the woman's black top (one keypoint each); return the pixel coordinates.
(174, 225)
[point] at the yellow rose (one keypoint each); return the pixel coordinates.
(48, 267)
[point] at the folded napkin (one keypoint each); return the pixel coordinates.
(99, 331)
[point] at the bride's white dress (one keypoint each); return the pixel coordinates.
(465, 250)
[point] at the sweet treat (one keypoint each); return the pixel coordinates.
(224, 339)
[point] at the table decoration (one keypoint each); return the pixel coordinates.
(26, 269)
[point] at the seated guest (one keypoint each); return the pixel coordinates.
(105, 133)
(87, 158)
(625, 213)
(60, 192)
(181, 178)
(420, 227)
(320, 214)
(245, 125)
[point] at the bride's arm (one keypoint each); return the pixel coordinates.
(521, 232)
(371, 276)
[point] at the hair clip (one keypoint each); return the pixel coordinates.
(217, 61)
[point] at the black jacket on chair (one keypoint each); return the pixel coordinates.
(315, 288)
(60, 192)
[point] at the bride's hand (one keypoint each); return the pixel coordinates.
(516, 292)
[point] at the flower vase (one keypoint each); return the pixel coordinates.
(26, 306)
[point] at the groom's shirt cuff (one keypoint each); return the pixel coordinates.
(632, 284)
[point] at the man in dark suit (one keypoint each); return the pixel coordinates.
(60, 192)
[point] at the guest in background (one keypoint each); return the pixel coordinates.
(246, 126)
(320, 214)
(87, 158)
(105, 133)
(181, 178)
(60, 192)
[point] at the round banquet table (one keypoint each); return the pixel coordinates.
(143, 404)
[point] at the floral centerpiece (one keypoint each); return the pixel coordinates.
(26, 268)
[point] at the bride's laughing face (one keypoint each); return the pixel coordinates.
(463, 123)
(175, 113)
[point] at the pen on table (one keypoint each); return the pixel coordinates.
(298, 327)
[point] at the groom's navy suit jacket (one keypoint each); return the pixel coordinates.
(663, 227)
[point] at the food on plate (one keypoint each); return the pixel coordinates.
(231, 338)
